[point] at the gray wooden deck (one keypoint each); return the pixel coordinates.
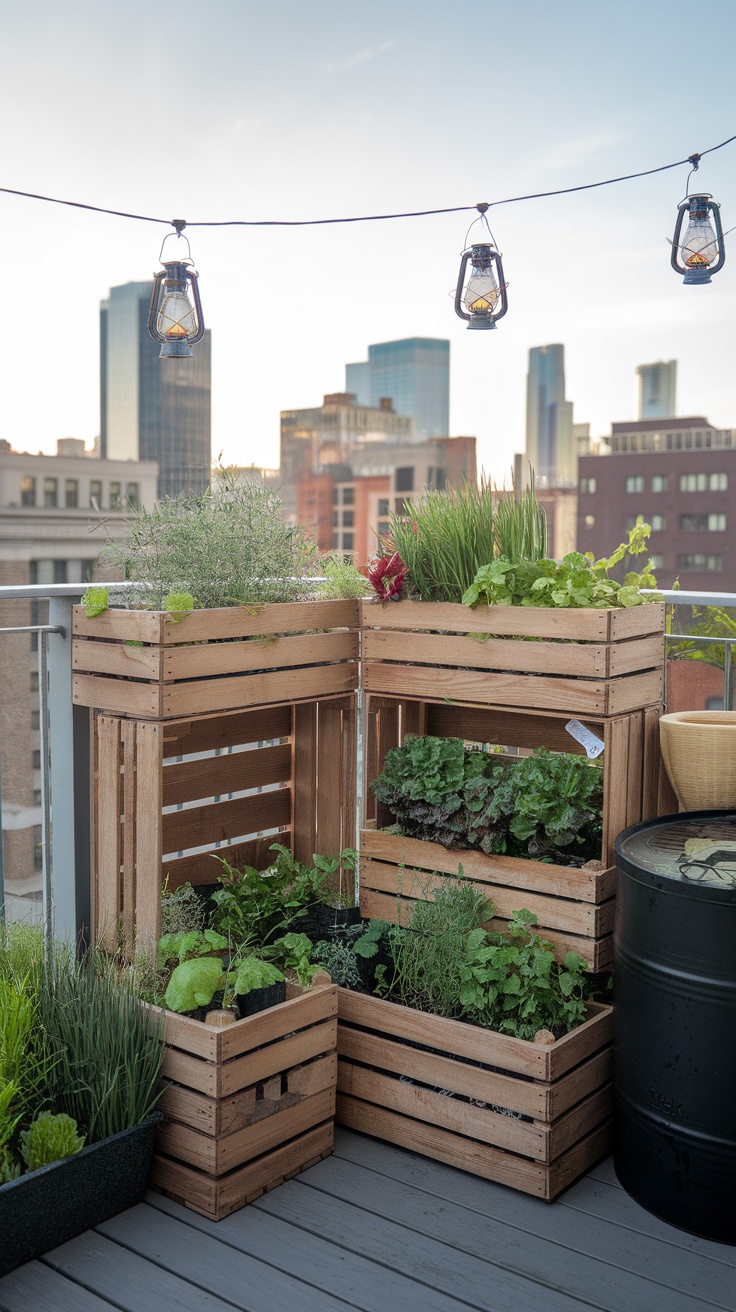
(382, 1230)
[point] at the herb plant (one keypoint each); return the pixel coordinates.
(343, 579)
(443, 538)
(427, 954)
(50, 1138)
(228, 546)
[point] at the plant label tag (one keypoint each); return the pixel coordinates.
(587, 739)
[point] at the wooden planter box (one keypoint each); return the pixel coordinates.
(631, 758)
(168, 795)
(415, 1080)
(249, 1105)
(144, 664)
(583, 662)
(574, 907)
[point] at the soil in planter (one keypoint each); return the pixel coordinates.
(325, 922)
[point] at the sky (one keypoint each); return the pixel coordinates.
(290, 110)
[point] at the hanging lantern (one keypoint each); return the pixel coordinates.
(481, 301)
(174, 317)
(700, 252)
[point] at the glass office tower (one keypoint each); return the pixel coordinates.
(415, 373)
(153, 409)
(549, 437)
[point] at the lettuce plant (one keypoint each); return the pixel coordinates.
(50, 1138)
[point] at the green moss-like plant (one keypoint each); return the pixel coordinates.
(50, 1138)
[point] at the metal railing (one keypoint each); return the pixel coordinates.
(65, 744)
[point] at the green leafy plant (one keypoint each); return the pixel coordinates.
(343, 579)
(194, 984)
(577, 581)
(254, 973)
(9, 1167)
(295, 951)
(548, 806)
(339, 960)
(228, 546)
(368, 943)
(427, 954)
(186, 945)
(182, 910)
(50, 1138)
(95, 601)
(177, 605)
(251, 906)
(512, 983)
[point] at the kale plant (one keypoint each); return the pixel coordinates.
(439, 790)
(550, 804)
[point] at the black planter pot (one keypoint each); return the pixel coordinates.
(323, 922)
(45, 1208)
(260, 999)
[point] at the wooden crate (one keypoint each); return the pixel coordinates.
(248, 1106)
(574, 907)
(169, 794)
(145, 665)
(445, 1088)
(582, 662)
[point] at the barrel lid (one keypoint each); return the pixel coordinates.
(695, 847)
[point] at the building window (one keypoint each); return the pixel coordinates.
(348, 496)
(347, 541)
(95, 494)
(658, 522)
(587, 485)
(383, 506)
(336, 519)
(383, 528)
(635, 483)
(656, 562)
(50, 492)
(132, 495)
(348, 519)
(699, 562)
(116, 496)
(693, 523)
(335, 495)
(35, 719)
(34, 680)
(717, 523)
(27, 490)
(37, 797)
(404, 479)
(335, 541)
(71, 493)
(695, 482)
(718, 483)
(399, 504)
(659, 482)
(36, 759)
(60, 571)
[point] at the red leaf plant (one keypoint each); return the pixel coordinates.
(387, 574)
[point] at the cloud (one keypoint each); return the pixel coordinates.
(362, 57)
(579, 150)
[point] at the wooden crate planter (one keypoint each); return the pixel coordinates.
(417, 1081)
(248, 1106)
(610, 661)
(144, 665)
(574, 907)
(168, 795)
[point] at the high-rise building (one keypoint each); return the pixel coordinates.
(550, 448)
(656, 386)
(152, 409)
(415, 374)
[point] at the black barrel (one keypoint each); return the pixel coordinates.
(674, 1024)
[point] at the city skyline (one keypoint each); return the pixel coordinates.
(349, 110)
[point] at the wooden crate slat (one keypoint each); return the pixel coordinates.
(119, 625)
(185, 737)
(202, 695)
(219, 821)
(205, 659)
(311, 1008)
(507, 727)
(570, 1089)
(227, 622)
(650, 764)
(515, 872)
(293, 1050)
(349, 790)
(479, 1123)
(329, 784)
(580, 1121)
(128, 736)
(218, 1117)
(217, 1199)
(635, 654)
(129, 696)
(304, 781)
(121, 659)
(583, 659)
(584, 625)
(587, 919)
(148, 836)
(204, 867)
(190, 780)
(108, 892)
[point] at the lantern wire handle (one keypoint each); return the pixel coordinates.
(481, 207)
(179, 225)
(695, 161)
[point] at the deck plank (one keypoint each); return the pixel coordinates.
(36, 1287)
(549, 1244)
(330, 1266)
